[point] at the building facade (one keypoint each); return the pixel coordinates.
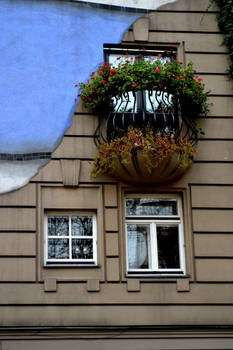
(72, 271)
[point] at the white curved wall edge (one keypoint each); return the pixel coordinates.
(16, 174)
(137, 4)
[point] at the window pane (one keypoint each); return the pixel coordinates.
(81, 225)
(168, 246)
(151, 206)
(138, 246)
(115, 59)
(82, 248)
(58, 225)
(58, 248)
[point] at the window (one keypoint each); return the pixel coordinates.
(119, 53)
(70, 239)
(154, 230)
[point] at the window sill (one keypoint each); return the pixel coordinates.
(157, 275)
(57, 265)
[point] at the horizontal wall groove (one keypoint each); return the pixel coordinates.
(207, 52)
(9, 256)
(117, 304)
(212, 208)
(19, 230)
(212, 232)
(183, 31)
(214, 139)
(213, 73)
(209, 117)
(82, 113)
(214, 162)
(17, 206)
(213, 257)
(81, 136)
(73, 158)
(125, 328)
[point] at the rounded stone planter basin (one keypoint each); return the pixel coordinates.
(136, 172)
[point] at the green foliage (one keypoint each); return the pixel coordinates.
(154, 74)
(155, 148)
(225, 22)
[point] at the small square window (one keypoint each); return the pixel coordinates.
(154, 234)
(70, 239)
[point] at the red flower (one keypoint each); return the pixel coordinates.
(118, 58)
(111, 72)
(92, 73)
(199, 79)
(104, 82)
(176, 77)
(157, 69)
(100, 73)
(97, 91)
(134, 85)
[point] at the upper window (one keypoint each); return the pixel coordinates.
(154, 230)
(70, 239)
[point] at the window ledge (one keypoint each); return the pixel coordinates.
(71, 265)
(153, 275)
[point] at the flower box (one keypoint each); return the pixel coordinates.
(136, 172)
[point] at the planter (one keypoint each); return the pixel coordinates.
(136, 172)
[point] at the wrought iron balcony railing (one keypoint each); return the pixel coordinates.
(157, 110)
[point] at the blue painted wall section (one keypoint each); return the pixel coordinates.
(46, 47)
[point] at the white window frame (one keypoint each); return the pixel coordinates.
(153, 221)
(70, 261)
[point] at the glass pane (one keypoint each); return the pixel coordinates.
(115, 59)
(82, 248)
(168, 246)
(159, 102)
(81, 225)
(126, 103)
(138, 246)
(58, 225)
(151, 206)
(58, 248)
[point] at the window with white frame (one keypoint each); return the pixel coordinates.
(70, 238)
(154, 230)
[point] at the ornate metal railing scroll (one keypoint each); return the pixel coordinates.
(157, 110)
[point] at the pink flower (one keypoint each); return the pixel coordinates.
(160, 55)
(157, 69)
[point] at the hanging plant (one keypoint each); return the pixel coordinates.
(153, 74)
(153, 149)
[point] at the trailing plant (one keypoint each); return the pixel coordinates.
(155, 148)
(225, 22)
(154, 74)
